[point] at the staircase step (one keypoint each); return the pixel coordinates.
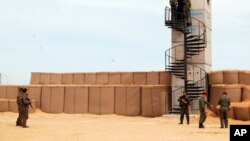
(195, 43)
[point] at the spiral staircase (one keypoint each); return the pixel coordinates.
(180, 64)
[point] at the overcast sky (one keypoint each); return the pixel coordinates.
(107, 35)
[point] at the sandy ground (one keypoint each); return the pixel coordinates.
(88, 127)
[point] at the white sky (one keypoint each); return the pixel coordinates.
(107, 35)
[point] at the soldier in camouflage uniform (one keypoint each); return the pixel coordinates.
(184, 103)
(173, 4)
(24, 107)
(224, 103)
(18, 101)
(186, 11)
(202, 107)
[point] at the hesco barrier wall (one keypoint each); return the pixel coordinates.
(102, 78)
(123, 93)
(229, 77)
(129, 100)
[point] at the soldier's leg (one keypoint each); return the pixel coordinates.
(25, 118)
(226, 118)
(221, 118)
(187, 115)
(18, 121)
(182, 115)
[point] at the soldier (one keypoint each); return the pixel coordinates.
(202, 107)
(180, 9)
(18, 101)
(24, 107)
(186, 10)
(184, 103)
(224, 103)
(173, 4)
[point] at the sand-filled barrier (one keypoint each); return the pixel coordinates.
(230, 76)
(4, 105)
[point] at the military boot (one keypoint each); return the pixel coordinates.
(201, 125)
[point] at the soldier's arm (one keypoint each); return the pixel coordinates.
(26, 100)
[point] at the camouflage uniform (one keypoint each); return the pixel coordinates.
(224, 103)
(186, 10)
(18, 101)
(184, 103)
(173, 4)
(24, 107)
(203, 114)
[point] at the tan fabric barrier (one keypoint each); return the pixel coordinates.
(153, 78)
(107, 100)
(55, 78)
(133, 101)
(90, 78)
(46, 99)
(244, 77)
(78, 78)
(33, 108)
(67, 78)
(57, 99)
(69, 102)
(241, 113)
(34, 92)
(165, 78)
(234, 92)
(44, 78)
(4, 105)
(114, 78)
(127, 78)
(102, 78)
(11, 92)
(120, 100)
(3, 91)
(94, 100)
(216, 92)
(246, 93)
(12, 105)
(154, 101)
(231, 77)
(215, 77)
(140, 78)
(35, 78)
(81, 99)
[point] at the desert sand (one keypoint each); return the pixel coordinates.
(89, 127)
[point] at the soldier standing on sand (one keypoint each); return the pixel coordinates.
(184, 103)
(186, 10)
(24, 108)
(18, 101)
(173, 4)
(202, 107)
(224, 103)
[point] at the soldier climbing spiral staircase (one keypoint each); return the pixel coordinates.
(194, 43)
